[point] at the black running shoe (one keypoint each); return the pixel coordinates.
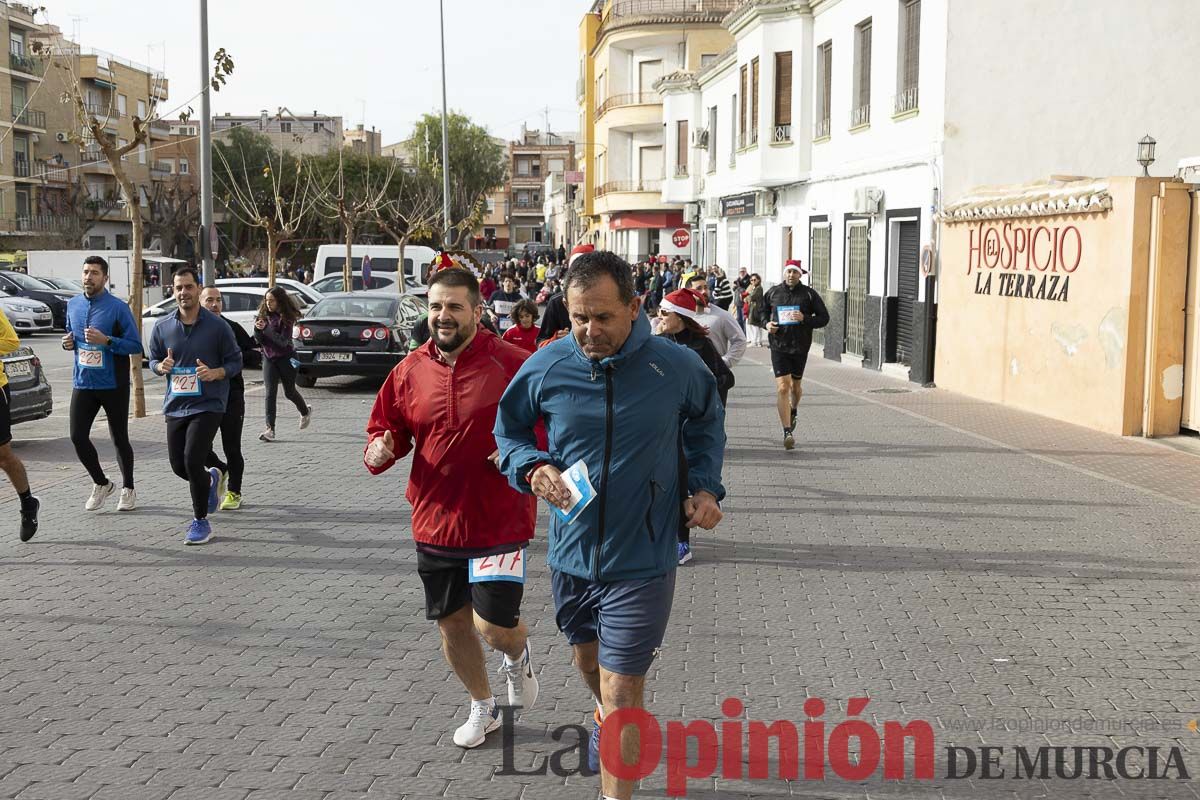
(29, 520)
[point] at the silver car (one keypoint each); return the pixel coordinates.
(27, 315)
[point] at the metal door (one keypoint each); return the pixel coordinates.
(908, 253)
(818, 259)
(856, 287)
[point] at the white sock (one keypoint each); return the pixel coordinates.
(509, 662)
(489, 704)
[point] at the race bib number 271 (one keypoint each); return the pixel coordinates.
(500, 567)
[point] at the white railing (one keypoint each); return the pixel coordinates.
(783, 133)
(860, 116)
(906, 100)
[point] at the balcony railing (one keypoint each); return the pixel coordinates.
(20, 168)
(24, 63)
(93, 158)
(40, 222)
(159, 173)
(681, 171)
(860, 116)
(31, 119)
(648, 185)
(102, 110)
(160, 127)
(633, 12)
(630, 99)
(906, 100)
(821, 129)
(528, 204)
(783, 133)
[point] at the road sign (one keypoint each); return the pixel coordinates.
(681, 238)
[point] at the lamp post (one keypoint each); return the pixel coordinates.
(1146, 153)
(445, 133)
(208, 264)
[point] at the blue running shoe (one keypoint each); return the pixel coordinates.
(685, 553)
(199, 532)
(214, 484)
(594, 746)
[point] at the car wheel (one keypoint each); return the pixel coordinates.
(305, 381)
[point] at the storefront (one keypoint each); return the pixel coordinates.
(1067, 299)
(638, 235)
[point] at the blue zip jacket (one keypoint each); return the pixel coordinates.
(626, 416)
(112, 317)
(211, 341)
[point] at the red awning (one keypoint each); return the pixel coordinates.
(646, 219)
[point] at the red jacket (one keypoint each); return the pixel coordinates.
(522, 338)
(459, 498)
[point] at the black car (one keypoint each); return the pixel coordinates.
(18, 284)
(355, 333)
(30, 397)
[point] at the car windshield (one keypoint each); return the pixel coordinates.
(26, 282)
(372, 307)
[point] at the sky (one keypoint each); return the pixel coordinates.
(370, 61)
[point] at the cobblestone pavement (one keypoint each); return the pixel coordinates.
(1011, 580)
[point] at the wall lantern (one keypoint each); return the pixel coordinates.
(1146, 153)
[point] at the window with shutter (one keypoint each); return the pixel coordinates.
(742, 111)
(681, 148)
(733, 125)
(825, 92)
(910, 56)
(860, 113)
(783, 97)
(712, 139)
(754, 101)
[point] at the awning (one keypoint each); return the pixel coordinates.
(646, 219)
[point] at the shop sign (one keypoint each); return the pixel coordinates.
(741, 205)
(1031, 262)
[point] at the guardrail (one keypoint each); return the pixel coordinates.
(611, 187)
(628, 99)
(31, 119)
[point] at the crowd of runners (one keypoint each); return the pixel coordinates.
(571, 413)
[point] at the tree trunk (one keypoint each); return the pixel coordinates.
(133, 201)
(401, 285)
(272, 244)
(348, 279)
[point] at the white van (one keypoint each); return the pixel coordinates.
(384, 258)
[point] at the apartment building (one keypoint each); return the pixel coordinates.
(532, 158)
(364, 142)
(22, 127)
(626, 47)
(312, 134)
(835, 131)
(492, 233)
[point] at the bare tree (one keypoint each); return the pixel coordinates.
(174, 212)
(413, 209)
(351, 200)
(281, 209)
(92, 126)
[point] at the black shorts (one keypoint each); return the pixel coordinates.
(5, 417)
(788, 364)
(448, 589)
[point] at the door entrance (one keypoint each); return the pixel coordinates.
(857, 258)
(908, 253)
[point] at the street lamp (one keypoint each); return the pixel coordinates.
(1146, 153)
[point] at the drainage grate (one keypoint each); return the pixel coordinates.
(888, 390)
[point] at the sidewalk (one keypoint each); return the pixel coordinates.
(956, 562)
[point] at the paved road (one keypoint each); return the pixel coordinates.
(955, 562)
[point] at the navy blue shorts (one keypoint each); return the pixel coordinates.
(629, 618)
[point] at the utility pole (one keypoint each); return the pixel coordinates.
(445, 133)
(206, 187)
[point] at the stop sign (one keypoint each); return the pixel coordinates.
(681, 238)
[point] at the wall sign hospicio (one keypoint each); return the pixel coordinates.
(1035, 261)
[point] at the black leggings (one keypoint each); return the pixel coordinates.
(276, 371)
(231, 442)
(189, 440)
(85, 405)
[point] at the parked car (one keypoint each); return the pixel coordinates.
(30, 396)
(294, 287)
(535, 250)
(18, 284)
(331, 258)
(66, 284)
(27, 315)
(355, 333)
(385, 282)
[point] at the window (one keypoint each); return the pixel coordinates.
(122, 103)
(754, 101)
(491, 205)
(741, 139)
(536, 168)
(783, 97)
(706, 59)
(681, 148)
(860, 112)
(733, 245)
(141, 153)
(909, 69)
(712, 139)
(183, 166)
(733, 124)
(16, 44)
(758, 248)
(824, 89)
(556, 165)
(316, 127)
(121, 144)
(141, 109)
(285, 127)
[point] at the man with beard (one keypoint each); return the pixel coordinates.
(470, 526)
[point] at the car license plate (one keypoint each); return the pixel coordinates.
(18, 369)
(335, 356)
(43, 317)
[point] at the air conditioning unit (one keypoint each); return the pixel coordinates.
(62, 137)
(764, 204)
(868, 200)
(700, 138)
(691, 213)
(34, 138)
(714, 207)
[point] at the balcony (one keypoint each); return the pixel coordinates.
(23, 63)
(160, 129)
(526, 208)
(30, 119)
(782, 135)
(24, 168)
(860, 116)
(40, 223)
(93, 160)
(612, 187)
(625, 13)
(158, 173)
(681, 171)
(631, 99)
(530, 179)
(821, 129)
(906, 101)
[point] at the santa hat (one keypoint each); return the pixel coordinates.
(580, 250)
(683, 302)
(443, 261)
(796, 265)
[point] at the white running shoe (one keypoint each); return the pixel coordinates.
(522, 685)
(99, 495)
(128, 501)
(267, 435)
(484, 719)
(306, 420)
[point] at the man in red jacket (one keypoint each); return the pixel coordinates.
(470, 526)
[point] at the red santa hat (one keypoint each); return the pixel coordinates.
(683, 302)
(796, 265)
(579, 250)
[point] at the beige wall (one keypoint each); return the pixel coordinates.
(1083, 358)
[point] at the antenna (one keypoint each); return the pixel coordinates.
(546, 112)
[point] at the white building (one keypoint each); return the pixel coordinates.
(833, 131)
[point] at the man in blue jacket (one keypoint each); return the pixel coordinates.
(103, 334)
(196, 352)
(623, 402)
